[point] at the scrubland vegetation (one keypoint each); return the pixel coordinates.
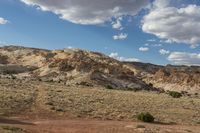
(97, 103)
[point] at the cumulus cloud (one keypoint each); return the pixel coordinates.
(117, 24)
(120, 58)
(144, 49)
(184, 58)
(3, 21)
(174, 24)
(164, 52)
(90, 12)
(121, 36)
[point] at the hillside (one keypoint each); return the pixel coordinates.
(70, 67)
(80, 67)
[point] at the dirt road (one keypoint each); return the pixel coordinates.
(94, 126)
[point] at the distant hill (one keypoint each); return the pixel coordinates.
(177, 78)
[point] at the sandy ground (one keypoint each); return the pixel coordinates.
(94, 126)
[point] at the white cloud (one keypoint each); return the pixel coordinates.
(184, 58)
(3, 21)
(117, 24)
(174, 24)
(144, 49)
(164, 52)
(121, 36)
(120, 58)
(161, 3)
(90, 12)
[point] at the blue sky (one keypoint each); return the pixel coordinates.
(52, 28)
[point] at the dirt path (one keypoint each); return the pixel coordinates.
(40, 99)
(93, 126)
(39, 108)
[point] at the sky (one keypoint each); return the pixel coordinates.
(154, 31)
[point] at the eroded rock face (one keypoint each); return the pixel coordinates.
(72, 67)
(120, 82)
(79, 67)
(176, 78)
(15, 69)
(25, 56)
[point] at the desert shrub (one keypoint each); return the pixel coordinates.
(59, 91)
(60, 110)
(13, 77)
(109, 87)
(53, 108)
(184, 92)
(3, 59)
(145, 117)
(150, 84)
(140, 126)
(64, 65)
(49, 103)
(84, 84)
(131, 89)
(13, 129)
(175, 94)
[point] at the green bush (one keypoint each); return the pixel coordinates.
(175, 94)
(145, 117)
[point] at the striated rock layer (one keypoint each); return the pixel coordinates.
(174, 78)
(80, 67)
(69, 66)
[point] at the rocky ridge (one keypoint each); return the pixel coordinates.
(80, 67)
(69, 66)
